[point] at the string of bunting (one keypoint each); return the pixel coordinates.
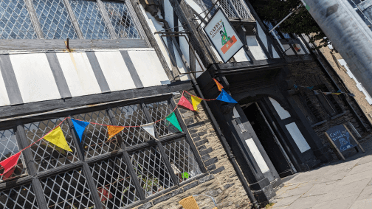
(318, 91)
(56, 136)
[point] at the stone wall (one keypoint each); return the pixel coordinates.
(220, 181)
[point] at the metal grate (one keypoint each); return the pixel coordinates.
(151, 171)
(114, 183)
(18, 198)
(67, 190)
(95, 140)
(160, 110)
(182, 159)
(131, 115)
(54, 19)
(15, 22)
(47, 155)
(121, 20)
(242, 9)
(9, 147)
(90, 19)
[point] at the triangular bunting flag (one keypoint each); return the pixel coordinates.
(149, 128)
(9, 163)
(57, 138)
(225, 97)
(219, 86)
(173, 120)
(185, 103)
(9, 173)
(79, 127)
(195, 102)
(113, 130)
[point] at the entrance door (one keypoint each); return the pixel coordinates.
(269, 140)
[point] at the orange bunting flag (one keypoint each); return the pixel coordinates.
(195, 102)
(185, 103)
(219, 86)
(57, 138)
(9, 163)
(113, 130)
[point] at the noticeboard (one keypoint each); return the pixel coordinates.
(223, 36)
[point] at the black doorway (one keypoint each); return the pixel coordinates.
(268, 140)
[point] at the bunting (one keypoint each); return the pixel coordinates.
(225, 97)
(113, 130)
(195, 102)
(185, 103)
(219, 86)
(79, 127)
(173, 120)
(9, 163)
(149, 128)
(57, 138)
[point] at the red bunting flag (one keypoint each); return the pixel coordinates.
(9, 163)
(9, 173)
(185, 103)
(219, 86)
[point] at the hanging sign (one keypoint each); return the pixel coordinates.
(223, 36)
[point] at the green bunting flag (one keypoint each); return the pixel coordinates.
(173, 120)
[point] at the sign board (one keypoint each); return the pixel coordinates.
(342, 139)
(223, 36)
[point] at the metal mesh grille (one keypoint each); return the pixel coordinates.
(15, 22)
(131, 116)
(67, 190)
(90, 19)
(151, 171)
(182, 159)
(241, 9)
(114, 183)
(18, 198)
(9, 147)
(54, 19)
(160, 110)
(229, 11)
(121, 20)
(47, 155)
(95, 140)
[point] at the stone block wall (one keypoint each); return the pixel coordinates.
(220, 181)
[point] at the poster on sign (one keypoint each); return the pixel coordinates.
(223, 36)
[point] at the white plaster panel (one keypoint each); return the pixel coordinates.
(79, 74)
(115, 71)
(149, 68)
(255, 48)
(35, 78)
(283, 114)
(257, 155)
(297, 137)
(4, 98)
(241, 56)
(263, 38)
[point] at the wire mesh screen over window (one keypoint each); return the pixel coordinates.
(182, 159)
(9, 147)
(18, 198)
(54, 19)
(95, 140)
(131, 116)
(45, 154)
(121, 20)
(160, 110)
(15, 22)
(151, 171)
(67, 191)
(113, 183)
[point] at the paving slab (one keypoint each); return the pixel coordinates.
(304, 202)
(343, 191)
(341, 203)
(285, 201)
(299, 190)
(362, 204)
(319, 189)
(361, 168)
(366, 193)
(365, 159)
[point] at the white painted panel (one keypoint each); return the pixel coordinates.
(283, 114)
(241, 56)
(297, 137)
(168, 13)
(255, 48)
(79, 74)
(35, 78)
(257, 155)
(4, 99)
(115, 71)
(149, 68)
(263, 38)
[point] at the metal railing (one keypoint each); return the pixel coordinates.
(234, 9)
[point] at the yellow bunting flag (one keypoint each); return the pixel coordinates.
(195, 101)
(57, 138)
(113, 130)
(219, 86)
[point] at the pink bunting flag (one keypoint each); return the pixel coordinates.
(185, 103)
(9, 163)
